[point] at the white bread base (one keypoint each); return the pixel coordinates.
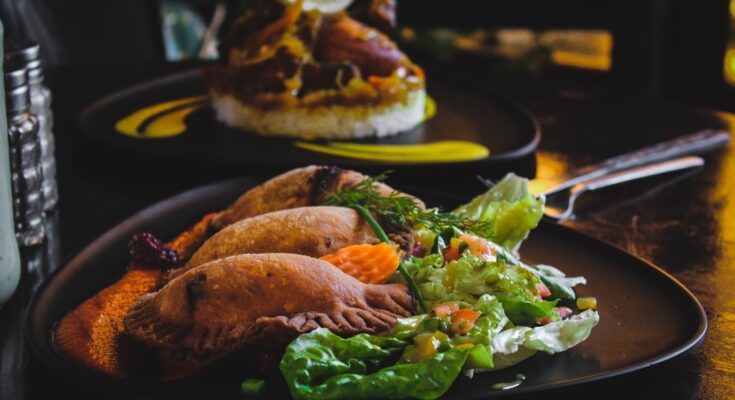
(328, 122)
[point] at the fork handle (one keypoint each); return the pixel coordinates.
(694, 143)
(638, 173)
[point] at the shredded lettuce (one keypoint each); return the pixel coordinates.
(470, 277)
(561, 286)
(510, 208)
(503, 289)
(491, 321)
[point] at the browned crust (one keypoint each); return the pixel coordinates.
(186, 243)
(301, 187)
(310, 231)
(91, 335)
(201, 314)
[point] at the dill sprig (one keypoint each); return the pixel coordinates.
(421, 305)
(397, 210)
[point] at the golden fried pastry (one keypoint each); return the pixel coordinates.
(92, 334)
(235, 302)
(301, 187)
(309, 231)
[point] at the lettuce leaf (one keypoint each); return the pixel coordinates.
(562, 335)
(322, 365)
(516, 344)
(490, 323)
(527, 312)
(510, 209)
(551, 338)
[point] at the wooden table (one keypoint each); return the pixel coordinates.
(685, 224)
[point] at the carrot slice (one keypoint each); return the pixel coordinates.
(368, 263)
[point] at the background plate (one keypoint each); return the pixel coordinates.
(507, 129)
(646, 316)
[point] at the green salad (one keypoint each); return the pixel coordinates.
(480, 308)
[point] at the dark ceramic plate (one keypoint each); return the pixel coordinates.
(647, 317)
(476, 118)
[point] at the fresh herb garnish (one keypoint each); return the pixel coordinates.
(380, 233)
(398, 211)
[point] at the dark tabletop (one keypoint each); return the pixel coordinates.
(683, 223)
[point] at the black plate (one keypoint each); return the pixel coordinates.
(646, 316)
(504, 127)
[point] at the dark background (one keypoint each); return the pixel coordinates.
(669, 49)
(666, 53)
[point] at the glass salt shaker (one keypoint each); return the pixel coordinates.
(25, 158)
(28, 55)
(9, 256)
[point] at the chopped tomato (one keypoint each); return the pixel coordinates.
(543, 290)
(451, 253)
(464, 320)
(445, 310)
(562, 312)
(478, 246)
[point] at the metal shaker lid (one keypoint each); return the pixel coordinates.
(17, 92)
(15, 77)
(23, 51)
(25, 54)
(18, 100)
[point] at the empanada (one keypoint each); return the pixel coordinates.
(266, 299)
(309, 231)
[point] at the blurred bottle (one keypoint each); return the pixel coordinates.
(9, 256)
(25, 158)
(28, 55)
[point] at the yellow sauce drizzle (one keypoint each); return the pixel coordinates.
(162, 124)
(166, 125)
(442, 151)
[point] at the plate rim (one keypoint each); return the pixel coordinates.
(84, 120)
(113, 385)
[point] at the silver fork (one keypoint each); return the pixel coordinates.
(560, 206)
(687, 145)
